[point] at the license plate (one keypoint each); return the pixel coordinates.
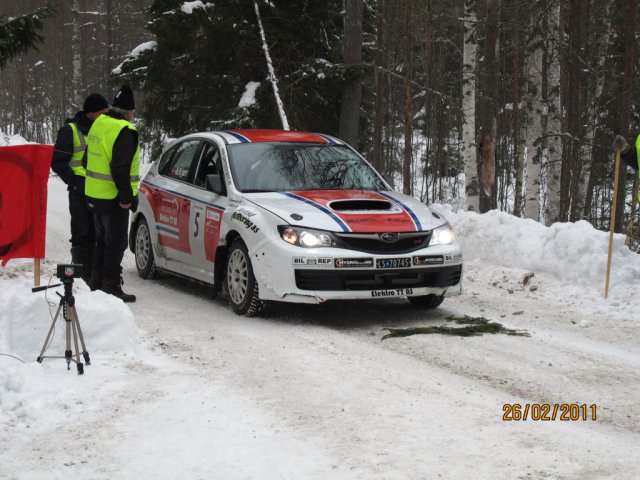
(393, 262)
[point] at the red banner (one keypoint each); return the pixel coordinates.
(24, 172)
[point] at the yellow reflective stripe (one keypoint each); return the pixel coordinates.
(104, 176)
(75, 163)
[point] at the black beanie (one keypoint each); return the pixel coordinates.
(94, 103)
(124, 99)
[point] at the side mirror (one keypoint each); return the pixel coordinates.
(214, 183)
(389, 180)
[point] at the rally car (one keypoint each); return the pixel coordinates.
(273, 215)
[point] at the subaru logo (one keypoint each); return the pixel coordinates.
(389, 237)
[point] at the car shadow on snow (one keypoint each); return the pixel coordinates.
(353, 315)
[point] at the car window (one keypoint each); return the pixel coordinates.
(209, 161)
(276, 167)
(179, 165)
(165, 158)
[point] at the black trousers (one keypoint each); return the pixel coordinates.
(82, 226)
(111, 242)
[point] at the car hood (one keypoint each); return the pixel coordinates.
(360, 211)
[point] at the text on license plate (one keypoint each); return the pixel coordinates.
(393, 262)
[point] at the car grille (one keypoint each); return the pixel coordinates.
(378, 279)
(371, 242)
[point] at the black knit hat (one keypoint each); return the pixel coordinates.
(94, 103)
(124, 99)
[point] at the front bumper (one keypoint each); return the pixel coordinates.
(292, 274)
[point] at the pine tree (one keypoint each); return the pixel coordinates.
(21, 34)
(203, 57)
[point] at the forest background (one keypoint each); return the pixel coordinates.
(484, 104)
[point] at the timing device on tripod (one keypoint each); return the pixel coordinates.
(66, 273)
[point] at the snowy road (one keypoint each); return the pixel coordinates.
(314, 392)
(424, 405)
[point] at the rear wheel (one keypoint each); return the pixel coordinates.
(427, 301)
(241, 282)
(145, 262)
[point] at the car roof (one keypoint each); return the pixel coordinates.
(267, 135)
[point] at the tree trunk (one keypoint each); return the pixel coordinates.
(488, 120)
(552, 125)
(377, 155)
(352, 92)
(407, 180)
(626, 99)
(534, 131)
(76, 43)
(518, 163)
(472, 188)
(272, 73)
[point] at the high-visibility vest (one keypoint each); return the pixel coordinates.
(638, 158)
(100, 141)
(79, 146)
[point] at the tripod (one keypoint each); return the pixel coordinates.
(67, 305)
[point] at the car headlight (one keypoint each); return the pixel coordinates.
(305, 237)
(443, 235)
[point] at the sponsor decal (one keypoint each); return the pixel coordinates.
(320, 262)
(453, 258)
(211, 215)
(246, 212)
(353, 262)
(428, 260)
(244, 220)
(168, 219)
(393, 262)
(398, 292)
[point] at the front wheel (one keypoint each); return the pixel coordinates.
(241, 282)
(145, 262)
(426, 301)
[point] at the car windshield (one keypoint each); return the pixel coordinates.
(277, 167)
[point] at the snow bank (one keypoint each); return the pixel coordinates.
(6, 139)
(573, 253)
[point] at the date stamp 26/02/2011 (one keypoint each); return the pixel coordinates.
(546, 412)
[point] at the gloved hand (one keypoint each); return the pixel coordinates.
(620, 143)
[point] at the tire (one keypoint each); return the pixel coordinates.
(143, 251)
(240, 281)
(426, 301)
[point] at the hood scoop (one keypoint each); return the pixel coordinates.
(360, 205)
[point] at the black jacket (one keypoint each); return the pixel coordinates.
(124, 149)
(63, 150)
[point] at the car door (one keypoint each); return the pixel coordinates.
(173, 205)
(205, 217)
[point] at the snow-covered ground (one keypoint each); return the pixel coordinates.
(179, 387)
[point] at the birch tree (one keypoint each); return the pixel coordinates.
(76, 42)
(534, 143)
(272, 74)
(469, 52)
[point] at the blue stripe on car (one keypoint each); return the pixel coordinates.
(406, 209)
(337, 219)
(242, 138)
(327, 138)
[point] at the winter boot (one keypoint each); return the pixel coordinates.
(80, 256)
(95, 282)
(113, 286)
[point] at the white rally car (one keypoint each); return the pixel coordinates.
(288, 216)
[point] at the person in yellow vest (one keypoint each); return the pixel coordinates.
(629, 153)
(67, 163)
(112, 163)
